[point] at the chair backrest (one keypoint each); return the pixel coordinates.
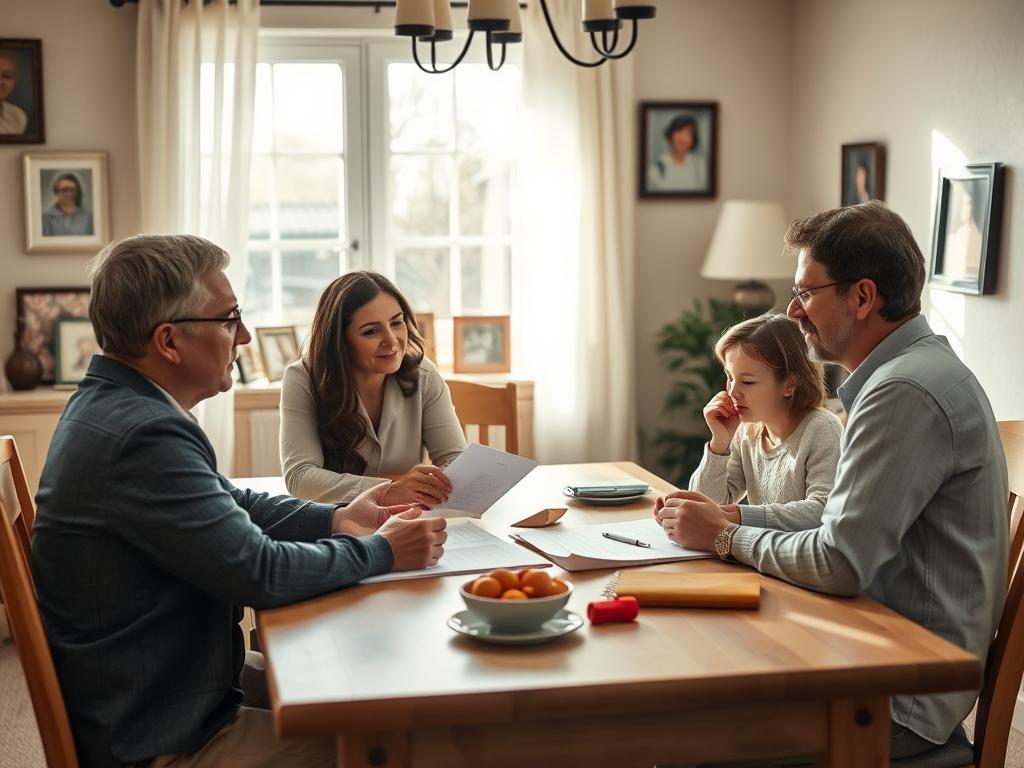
(15, 494)
(1012, 435)
(483, 405)
(1005, 666)
(23, 614)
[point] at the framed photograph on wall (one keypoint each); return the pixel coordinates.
(38, 310)
(678, 149)
(66, 205)
(863, 173)
(968, 222)
(482, 345)
(250, 366)
(75, 343)
(425, 325)
(279, 348)
(21, 92)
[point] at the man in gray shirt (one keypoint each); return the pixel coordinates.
(917, 519)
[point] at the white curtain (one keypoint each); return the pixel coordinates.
(575, 297)
(196, 75)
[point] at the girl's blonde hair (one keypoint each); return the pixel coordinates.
(777, 342)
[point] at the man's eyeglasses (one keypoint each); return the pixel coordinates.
(798, 296)
(234, 317)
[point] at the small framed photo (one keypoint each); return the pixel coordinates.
(279, 348)
(968, 222)
(250, 366)
(66, 205)
(863, 173)
(75, 344)
(39, 309)
(482, 345)
(21, 92)
(425, 325)
(679, 149)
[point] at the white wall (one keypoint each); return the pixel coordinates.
(897, 71)
(89, 103)
(738, 53)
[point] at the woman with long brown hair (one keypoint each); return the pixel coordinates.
(364, 403)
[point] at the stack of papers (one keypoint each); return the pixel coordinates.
(585, 548)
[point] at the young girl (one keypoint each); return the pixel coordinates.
(771, 440)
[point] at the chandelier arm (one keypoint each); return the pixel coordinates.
(569, 56)
(433, 57)
(625, 53)
(490, 56)
(604, 49)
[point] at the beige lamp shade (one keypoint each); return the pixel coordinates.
(488, 15)
(747, 246)
(515, 26)
(414, 18)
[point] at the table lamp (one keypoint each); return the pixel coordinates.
(747, 245)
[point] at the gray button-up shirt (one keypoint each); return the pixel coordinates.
(917, 519)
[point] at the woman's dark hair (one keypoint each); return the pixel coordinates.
(78, 186)
(777, 342)
(678, 123)
(332, 383)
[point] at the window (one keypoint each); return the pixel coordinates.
(361, 160)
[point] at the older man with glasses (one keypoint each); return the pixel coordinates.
(143, 554)
(917, 518)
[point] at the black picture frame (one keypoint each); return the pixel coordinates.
(39, 309)
(661, 175)
(968, 224)
(863, 173)
(25, 100)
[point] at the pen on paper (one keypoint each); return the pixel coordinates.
(625, 540)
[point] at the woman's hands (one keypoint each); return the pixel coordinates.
(424, 485)
(723, 421)
(691, 519)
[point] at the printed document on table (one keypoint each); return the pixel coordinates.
(480, 476)
(471, 549)
(584, 548)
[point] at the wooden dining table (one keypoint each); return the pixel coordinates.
(377, 666)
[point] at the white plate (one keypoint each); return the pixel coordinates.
(467, 623)
(606, 501)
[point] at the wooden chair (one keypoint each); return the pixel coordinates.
(1005, 667)
(16, 517)
(487, 406)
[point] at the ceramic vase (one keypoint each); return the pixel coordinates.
(22, 367)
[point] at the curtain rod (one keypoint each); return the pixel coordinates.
(375, 4)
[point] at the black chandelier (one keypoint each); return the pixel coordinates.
(430, 21)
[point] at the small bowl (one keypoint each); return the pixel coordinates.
(515, 615)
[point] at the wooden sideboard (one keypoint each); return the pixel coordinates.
(30, 417)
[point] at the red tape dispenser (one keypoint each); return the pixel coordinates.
(620, 609)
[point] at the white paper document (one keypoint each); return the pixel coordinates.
(479, 477)
(585, 548)
(471, 549)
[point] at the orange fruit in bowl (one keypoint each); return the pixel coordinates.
(513, 594)
(558, 586)
(508, 579)
(486, 586)
(537, 582)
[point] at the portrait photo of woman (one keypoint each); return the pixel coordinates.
(679, 154)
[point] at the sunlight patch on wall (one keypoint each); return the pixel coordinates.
(946, 311)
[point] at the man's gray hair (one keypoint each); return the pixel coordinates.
(142, 281)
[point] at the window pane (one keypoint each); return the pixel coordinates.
(420, 189)
(422, 274)
(308, 196)
(486, 105)
(259, 198)
(258, 303)
(485, 279)
(421, 109)
(308, 111)
(484, 188)
(304, 274)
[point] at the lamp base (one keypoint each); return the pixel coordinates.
(753, 298)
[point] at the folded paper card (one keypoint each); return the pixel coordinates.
(542, 518)
(689, 590)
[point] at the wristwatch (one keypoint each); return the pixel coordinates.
(723, 542)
